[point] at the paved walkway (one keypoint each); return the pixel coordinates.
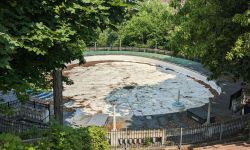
(232, 146)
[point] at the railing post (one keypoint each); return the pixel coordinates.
(49, 111)
(114, 136)
(114, 117)
(209, 111)
(180, 140)
(120, 45)
(163, 137)
(34, 104)
(221, 131)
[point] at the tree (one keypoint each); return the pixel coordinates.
(147, 22)
(216, 32)
(107, 37)
(150, 25)
(39, 37)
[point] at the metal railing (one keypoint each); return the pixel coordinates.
(32, 111)
(14, 126)
(132, 49)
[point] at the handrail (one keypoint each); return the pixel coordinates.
(32, 111)
(149, 50)
(10, 125)
(30, 103)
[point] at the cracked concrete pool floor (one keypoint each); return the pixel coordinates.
(171, 119)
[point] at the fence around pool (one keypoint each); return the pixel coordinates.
(14, 126)
(26, 116)
(178, 136)
(152, 137)
(133, 49)
(159, 54)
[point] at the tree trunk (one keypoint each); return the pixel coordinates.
(58, 98)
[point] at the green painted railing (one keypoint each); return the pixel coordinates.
(147, 52)
(163, 55)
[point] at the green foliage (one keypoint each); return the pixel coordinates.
(37, 37)
(66, 138)
(4, 109)
(32, 133)
(8, 141)
(217, 32)
(12, 142)
(97, 138)
(146, 141)
(107, 38)
(58, 137)
(149, 23)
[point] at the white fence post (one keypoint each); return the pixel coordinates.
(163, 137)
(113, 138)
(180, 139)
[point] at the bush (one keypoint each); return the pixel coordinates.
(146, 141)
(12, 142)
(32, 133)
(58, 137)
(169, 143)
(67, 138)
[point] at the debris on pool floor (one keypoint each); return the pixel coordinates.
(140, 89)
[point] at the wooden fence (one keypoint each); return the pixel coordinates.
(177, 136)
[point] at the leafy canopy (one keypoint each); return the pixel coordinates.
(150, 23)
(60, 138)
(37, 37)
(215, 31)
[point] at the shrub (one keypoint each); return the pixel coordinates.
(169, 143)
(12, 142)
(67, 138)
(146, 141)
(58, 137)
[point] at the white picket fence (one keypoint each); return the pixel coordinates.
(178, 136)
